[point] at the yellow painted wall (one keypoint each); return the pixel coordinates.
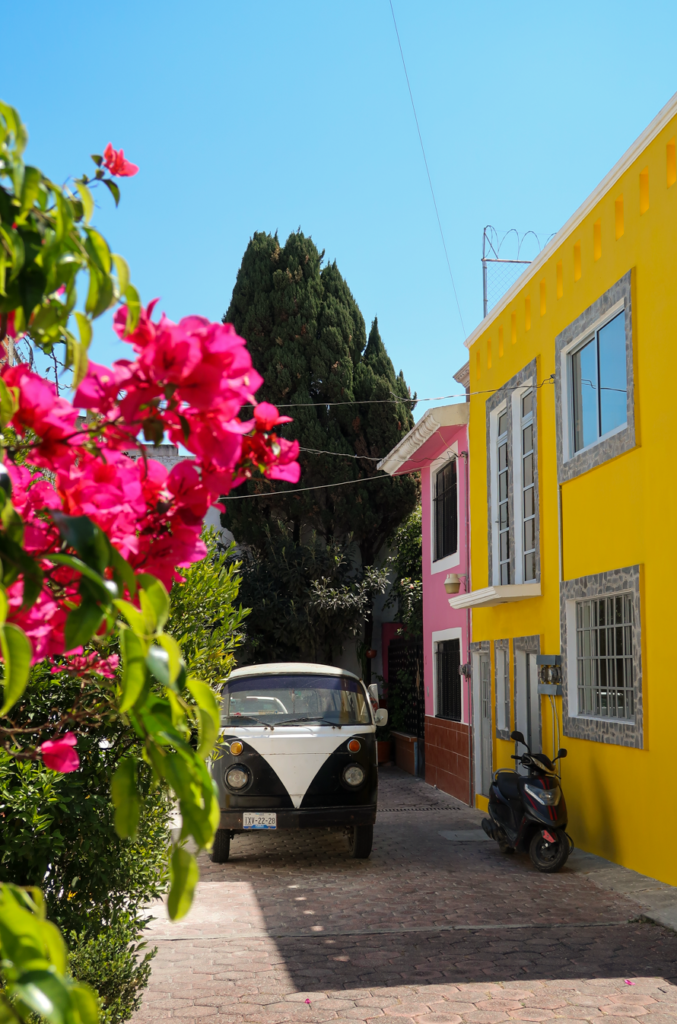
(619, 514)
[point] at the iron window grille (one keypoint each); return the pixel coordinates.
(446, 511)
(448, 678)
(604, 656)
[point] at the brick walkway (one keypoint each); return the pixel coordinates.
(428, 931)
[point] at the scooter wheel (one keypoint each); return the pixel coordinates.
(547, 856)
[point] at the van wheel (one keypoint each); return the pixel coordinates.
(549, 857)
(360, 840)
(221, 848)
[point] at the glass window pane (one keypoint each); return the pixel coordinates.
(530, 566)
(612, 374)
(584, 387)
(527, 403)
(502, 423)
(503, 457)
(503, 487)
(505, 574)
(528, 502)
(529, 539)
(528, 470)
(503, 516)
(504, 546)
(527, 439)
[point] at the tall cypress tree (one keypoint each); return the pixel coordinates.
(307, 339)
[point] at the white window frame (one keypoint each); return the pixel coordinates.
(493, 469)
(445, 564)
(454, 633)
(568, 452)
(572, 658)
(502, 697)
(518, 509)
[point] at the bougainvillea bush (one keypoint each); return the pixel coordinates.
(94, 532)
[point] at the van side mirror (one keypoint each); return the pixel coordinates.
(562, 752)
(381, 716)
(517, 737)
(373, 693)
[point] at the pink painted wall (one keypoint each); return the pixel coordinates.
(437, 615)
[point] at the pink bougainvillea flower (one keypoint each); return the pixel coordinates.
(267, 416)
(114, 160)
(60, 755)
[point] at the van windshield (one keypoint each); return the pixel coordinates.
(295, 700)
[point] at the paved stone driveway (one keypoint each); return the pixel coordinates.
(428, 931)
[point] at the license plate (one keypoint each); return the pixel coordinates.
(254, 819)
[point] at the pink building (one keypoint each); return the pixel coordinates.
(437, 447)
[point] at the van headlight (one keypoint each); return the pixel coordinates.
(547, 797)
(237, 776)
(353, 775)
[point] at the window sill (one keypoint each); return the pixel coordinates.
(603, 718)
(490, 596)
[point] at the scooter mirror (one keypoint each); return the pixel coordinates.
(518, 737)
(562, 752)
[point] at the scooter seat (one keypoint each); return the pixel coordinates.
(508, 785)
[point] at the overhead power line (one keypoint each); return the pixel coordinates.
(297, 490)
(427, 169)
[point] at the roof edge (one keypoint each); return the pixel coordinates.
(648, 135)
(456, 415)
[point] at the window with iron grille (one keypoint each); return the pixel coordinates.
(446, 511)
(503, 502)
(604, 656)
(448, 679)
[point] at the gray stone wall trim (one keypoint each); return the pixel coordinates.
(624, 440)
(480, 647)
(622, 733)
(502, 645)
(498, 397)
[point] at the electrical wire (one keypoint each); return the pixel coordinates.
(427, 170)
(297, 490)
(401, 401)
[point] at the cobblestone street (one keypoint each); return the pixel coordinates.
(432, 929)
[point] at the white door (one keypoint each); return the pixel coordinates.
(527, 701)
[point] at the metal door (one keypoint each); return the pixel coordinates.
(485, 721)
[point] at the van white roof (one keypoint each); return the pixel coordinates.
(291, 668)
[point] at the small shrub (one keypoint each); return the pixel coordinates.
(113, 964)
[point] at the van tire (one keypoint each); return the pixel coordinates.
(221, 848)
(360, 840)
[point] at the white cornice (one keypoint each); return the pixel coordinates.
(648, 135)
(487, 597)
(430, 422)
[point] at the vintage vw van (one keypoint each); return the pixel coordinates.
(298, 750)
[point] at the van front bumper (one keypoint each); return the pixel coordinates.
(307, 817)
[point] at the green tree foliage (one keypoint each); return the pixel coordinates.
(308, 340)
(203, 616)
(305, 598)
(58, 831)
(407, 589)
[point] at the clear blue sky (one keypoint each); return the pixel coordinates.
(262, 115)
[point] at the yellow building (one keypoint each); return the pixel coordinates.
(573, 499)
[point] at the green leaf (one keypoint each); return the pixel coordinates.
(183, 874)
(29, 191)
(81, 533)
(135, 617)
(46, 994)
(122, 270)
(107, 589)
(157, 661)
(173, 654)
(87, 200)
(9, 402)
(15, 126)
(125, 796)
(4, 605)
(97, 249)
(133, 668)
(122, 570)
(17, 653)
(113, 189)
(98, 160)
(133, 308)
(154, 599)
(82, 623)
(86, 1003)
(96, 279)
(210, 713)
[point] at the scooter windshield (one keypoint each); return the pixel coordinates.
(295, 700)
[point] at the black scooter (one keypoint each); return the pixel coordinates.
(529, 812)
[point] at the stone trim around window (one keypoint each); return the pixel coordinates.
(506, 392)
(623, 440)
(624, 733)
(503, 645)
(480, 647)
